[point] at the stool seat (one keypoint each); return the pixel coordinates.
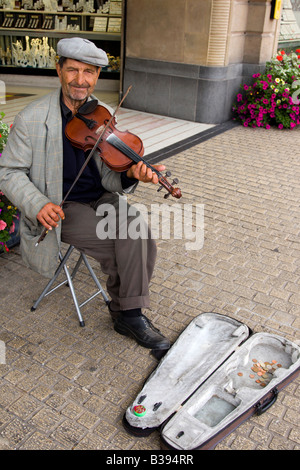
(69, 281)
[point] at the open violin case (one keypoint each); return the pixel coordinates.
(215, 376)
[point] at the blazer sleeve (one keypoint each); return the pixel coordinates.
(111, 180)
(15, 167)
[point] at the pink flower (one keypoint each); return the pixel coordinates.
(280, 126)
(293, 124)
(12, 228)
(264, 84)
(2, 225)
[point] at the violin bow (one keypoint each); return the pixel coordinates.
(45, 231)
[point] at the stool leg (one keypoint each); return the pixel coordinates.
(70, 283)
(103, 293)
(50, 283)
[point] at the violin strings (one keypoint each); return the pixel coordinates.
(120, 145)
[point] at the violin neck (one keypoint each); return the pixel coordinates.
(120, 145)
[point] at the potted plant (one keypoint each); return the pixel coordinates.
(272, 98)
(9, 216)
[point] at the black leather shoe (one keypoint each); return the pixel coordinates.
(142, 330)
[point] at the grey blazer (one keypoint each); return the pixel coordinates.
(31, 175)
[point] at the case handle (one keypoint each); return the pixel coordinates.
(262, 407)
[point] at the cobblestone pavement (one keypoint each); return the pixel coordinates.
(66, 387)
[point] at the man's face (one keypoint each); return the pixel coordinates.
(78, 81)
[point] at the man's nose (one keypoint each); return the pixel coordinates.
(80, 78)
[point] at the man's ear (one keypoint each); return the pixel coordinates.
(58, 70)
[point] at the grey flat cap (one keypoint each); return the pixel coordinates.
(82, 50)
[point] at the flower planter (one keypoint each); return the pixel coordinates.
(272, 98)
(15, 236)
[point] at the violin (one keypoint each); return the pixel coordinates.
(119, 150)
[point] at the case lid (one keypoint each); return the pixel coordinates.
(258, 369)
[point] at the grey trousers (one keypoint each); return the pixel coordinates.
(128, 261)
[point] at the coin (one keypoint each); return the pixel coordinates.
(254, 360)
(240, 374)
(251, 376)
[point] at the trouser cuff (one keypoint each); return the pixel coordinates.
(134, 302)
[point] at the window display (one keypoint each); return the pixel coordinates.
(290, 21)
(30, 30)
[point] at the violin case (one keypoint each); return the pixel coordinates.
(215, 376)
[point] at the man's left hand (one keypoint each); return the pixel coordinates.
(141, 172)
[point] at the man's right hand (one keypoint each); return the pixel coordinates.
(50, 215)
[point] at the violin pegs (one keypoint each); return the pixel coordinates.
(175, 181)
(160, 188)
(166, 195)
(168, 174)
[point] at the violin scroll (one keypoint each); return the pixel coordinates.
(175, 192)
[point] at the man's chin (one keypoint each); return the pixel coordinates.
(79, 94)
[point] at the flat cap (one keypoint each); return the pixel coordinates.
(82, 50)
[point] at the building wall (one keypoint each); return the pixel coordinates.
(168, 30)
(187, 58)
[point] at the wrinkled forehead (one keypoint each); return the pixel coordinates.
(78, 65)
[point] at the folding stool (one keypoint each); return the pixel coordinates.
(69, 282)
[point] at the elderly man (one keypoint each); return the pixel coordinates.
(37, 169)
